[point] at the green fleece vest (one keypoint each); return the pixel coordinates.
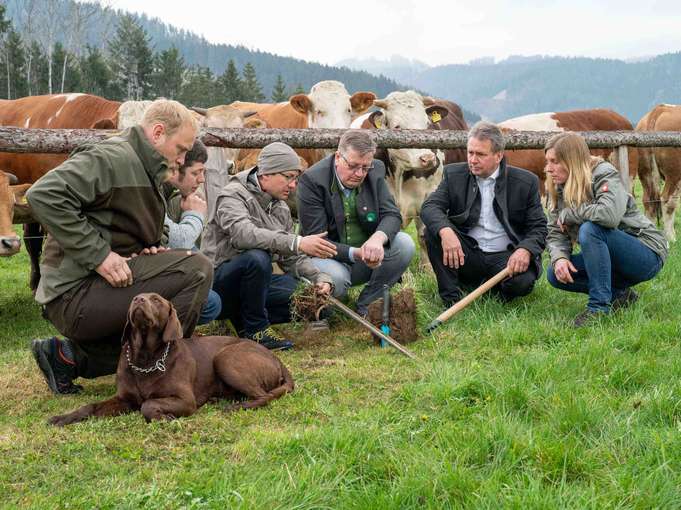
(354, 234)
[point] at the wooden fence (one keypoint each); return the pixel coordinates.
(65, 140)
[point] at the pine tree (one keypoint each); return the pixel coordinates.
(40, 70)
(63, 61)
(14, 60)
(299, 90)
(132, 59)
(199, 87)
(279, 91)
(229, 85)
(97, 77)
(252, 90)
(169, 68)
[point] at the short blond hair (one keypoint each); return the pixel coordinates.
(171, 114)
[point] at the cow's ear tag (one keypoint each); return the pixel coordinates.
(23, 200)
(378, 122)
(435, 117)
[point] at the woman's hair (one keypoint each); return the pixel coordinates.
(573, 153)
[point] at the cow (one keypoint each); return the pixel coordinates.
(412, 174)
(9, 197)
(328, 105)
(598, 119)
(58, 111)
(662, 162)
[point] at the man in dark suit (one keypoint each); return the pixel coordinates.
(345, 195)
(485, 216)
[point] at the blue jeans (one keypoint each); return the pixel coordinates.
(395, 262)
(211, 308)
(610, 262)
(252, 297)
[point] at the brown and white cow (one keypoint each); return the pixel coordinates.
(9, 196)
(59, 111)
(598, 119)
(412, 174)
(662, 162)
(328, 105)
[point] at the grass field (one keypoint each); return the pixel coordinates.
(507, 407)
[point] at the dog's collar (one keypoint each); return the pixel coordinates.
(160, 364)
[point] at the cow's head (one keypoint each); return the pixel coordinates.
(225, 117)
(9, 195)
(409, 110)
(328, 105)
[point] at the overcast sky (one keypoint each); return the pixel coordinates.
(436, 32)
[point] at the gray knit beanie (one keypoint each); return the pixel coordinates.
(277, 157)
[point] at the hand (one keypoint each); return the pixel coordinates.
(562, 269)
(316, 246)
(519, 261)
(114, 269)
(372, 252)
(452, 252)
(193, 202)
(324, 288)
(150, 251)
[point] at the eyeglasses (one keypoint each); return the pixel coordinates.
(290, 177)
(357, 167)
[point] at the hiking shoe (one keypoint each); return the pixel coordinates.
(272, 340)
(625, 299)
(55, 360)
(586, 317)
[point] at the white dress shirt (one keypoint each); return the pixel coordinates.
(489, 232)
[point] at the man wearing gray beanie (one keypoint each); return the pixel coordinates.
(250, 229)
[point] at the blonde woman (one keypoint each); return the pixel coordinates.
(588, 205)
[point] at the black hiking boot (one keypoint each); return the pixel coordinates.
(55, 360)
(272, 340)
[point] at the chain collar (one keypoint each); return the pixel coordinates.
(160, 364)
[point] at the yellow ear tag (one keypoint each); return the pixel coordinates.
(378, 123)
(435, 117)
(23, 200)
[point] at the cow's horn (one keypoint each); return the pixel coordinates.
(200, 111)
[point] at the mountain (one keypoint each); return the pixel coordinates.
(529, 84)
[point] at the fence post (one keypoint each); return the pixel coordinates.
(623, 165)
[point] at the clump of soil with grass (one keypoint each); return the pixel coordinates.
(402, 315)
(307, 303)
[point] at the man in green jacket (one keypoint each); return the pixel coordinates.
(102, 208)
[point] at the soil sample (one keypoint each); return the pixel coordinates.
(402, 316)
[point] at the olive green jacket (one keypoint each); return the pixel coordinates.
(105, 197)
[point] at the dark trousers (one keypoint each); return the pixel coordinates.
(610, 262)
(252, 297)
(478, 267)
(94, 313)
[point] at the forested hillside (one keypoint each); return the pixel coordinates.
(54, 46)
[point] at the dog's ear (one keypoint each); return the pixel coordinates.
(173, 329)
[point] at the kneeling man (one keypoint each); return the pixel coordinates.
(252, 228)
(346, 196)
(485, 216)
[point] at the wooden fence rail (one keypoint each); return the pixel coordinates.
(14, 139)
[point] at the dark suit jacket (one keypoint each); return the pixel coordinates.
(321, 210)
(456, 203)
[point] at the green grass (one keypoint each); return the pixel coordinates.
(507, 407)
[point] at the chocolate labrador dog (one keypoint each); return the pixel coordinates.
(165, 376)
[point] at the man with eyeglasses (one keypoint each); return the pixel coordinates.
(251, 228)
(346, 196)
